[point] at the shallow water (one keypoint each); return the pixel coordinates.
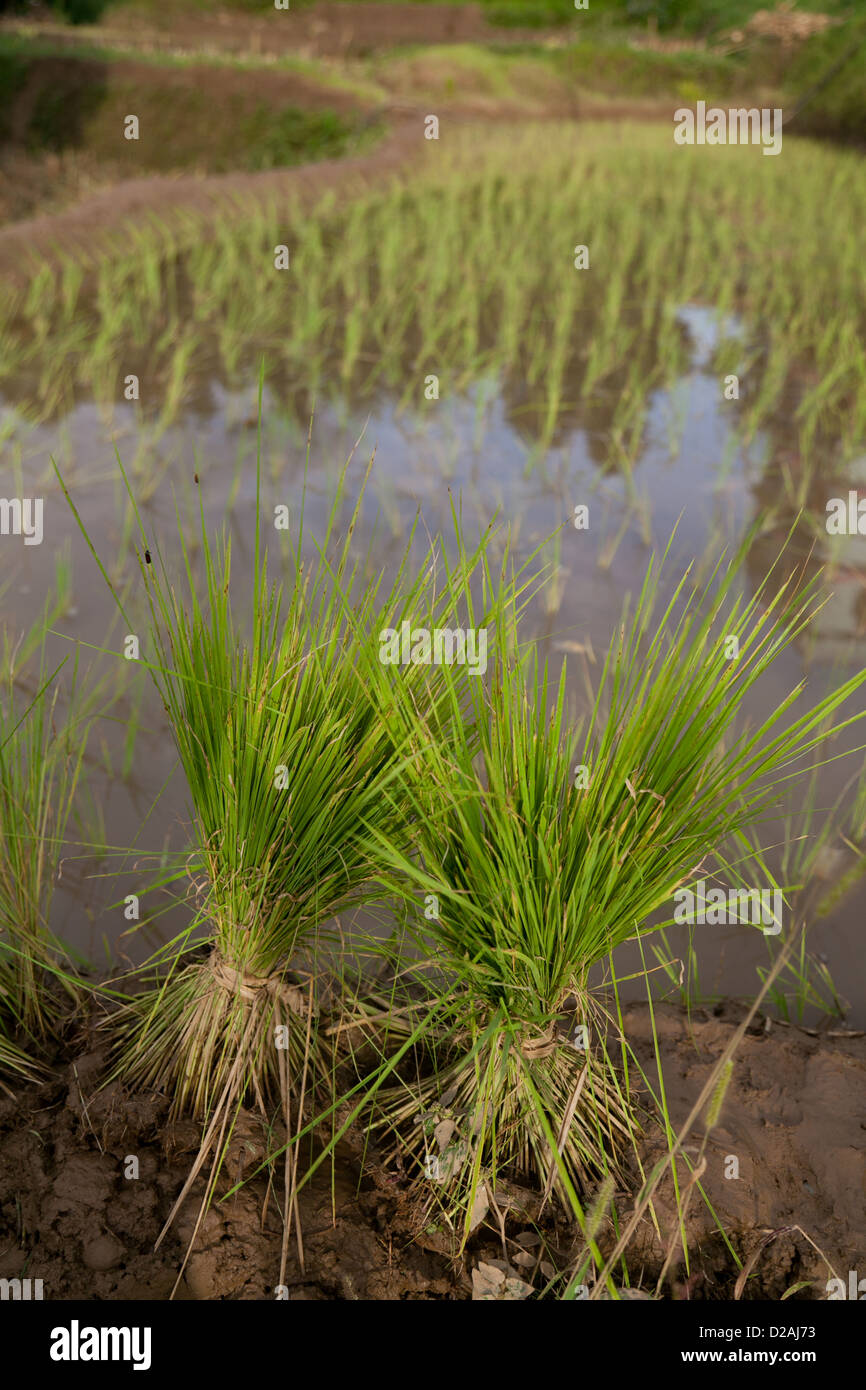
(693, 472)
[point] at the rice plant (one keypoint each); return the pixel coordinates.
(41, 755)
(543, 848)
(279, 712)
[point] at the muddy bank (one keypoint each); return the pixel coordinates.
(70, 1216)
(792, 1118)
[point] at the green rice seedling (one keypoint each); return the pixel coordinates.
(683, 974)
(805, 982)
(41, 755)
(812, 838)
(542, 849)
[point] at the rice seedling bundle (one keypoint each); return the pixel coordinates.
(282, 722)
(543, 848)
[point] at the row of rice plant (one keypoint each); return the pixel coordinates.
(469, 269)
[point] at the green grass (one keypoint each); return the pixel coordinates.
(293, 136)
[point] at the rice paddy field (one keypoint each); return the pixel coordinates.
(432, 784)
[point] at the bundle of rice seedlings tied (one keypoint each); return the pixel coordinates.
(41, 754)
(289, 754)
(541, 849)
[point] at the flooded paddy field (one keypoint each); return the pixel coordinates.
(558, 348)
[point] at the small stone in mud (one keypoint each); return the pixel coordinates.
(103, 1252)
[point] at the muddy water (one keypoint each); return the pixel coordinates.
(693, 472)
